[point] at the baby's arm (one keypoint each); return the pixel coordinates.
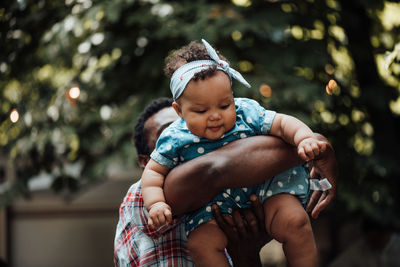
(153, 195)
(295, 132)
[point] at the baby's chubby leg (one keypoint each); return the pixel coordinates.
(288, 222)
(207, 245)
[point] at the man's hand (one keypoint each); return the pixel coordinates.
(159, 214)
(246, 236)
(323, 166)
(310, 148)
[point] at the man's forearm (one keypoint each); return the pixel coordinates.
(241, 163)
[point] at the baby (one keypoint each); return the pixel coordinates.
(210, 118)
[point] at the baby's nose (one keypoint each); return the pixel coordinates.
(215, 116)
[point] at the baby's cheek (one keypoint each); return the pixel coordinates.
(197, 128)
(230, 123)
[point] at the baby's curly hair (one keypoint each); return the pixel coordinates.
(191, 52)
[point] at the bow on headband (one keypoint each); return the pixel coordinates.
(185, 73)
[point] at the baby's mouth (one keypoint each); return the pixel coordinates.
(215, 128)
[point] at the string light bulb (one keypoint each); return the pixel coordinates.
(14, 115)
(74, 92)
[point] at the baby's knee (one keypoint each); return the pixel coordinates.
(207, 237)
(206, 245)
(290, 224)
(201, 249)
(298, 223)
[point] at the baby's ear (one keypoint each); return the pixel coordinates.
(177, 108)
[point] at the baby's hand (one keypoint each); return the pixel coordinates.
(310, 148)
(159, 214)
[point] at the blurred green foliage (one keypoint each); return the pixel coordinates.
(112, 53)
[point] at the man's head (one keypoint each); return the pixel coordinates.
(151, 122)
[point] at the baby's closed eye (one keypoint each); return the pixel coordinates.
(225, 106)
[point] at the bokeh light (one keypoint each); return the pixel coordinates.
(243, 3)
(265, 90)
(14, 115)
(236, 35)
(245, 66)
(74, 92)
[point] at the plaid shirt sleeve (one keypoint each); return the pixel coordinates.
(136, 244)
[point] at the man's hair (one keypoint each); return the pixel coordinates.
(191, 52)
(139, 132)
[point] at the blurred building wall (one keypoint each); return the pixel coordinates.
(3, 235)
(54, 230)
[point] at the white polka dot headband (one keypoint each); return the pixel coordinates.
(185, 73)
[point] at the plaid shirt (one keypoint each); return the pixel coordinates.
(136, 244)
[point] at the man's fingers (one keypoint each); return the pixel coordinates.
(252, 222)
(238, 222)
(218, 217)
(319, 201)
(313, 200)
(258, 209)
(230, 231)
(314, 173)
(323, 202)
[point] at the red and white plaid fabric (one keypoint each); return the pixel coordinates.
(136, 244)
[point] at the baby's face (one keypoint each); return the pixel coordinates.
(208, 107)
